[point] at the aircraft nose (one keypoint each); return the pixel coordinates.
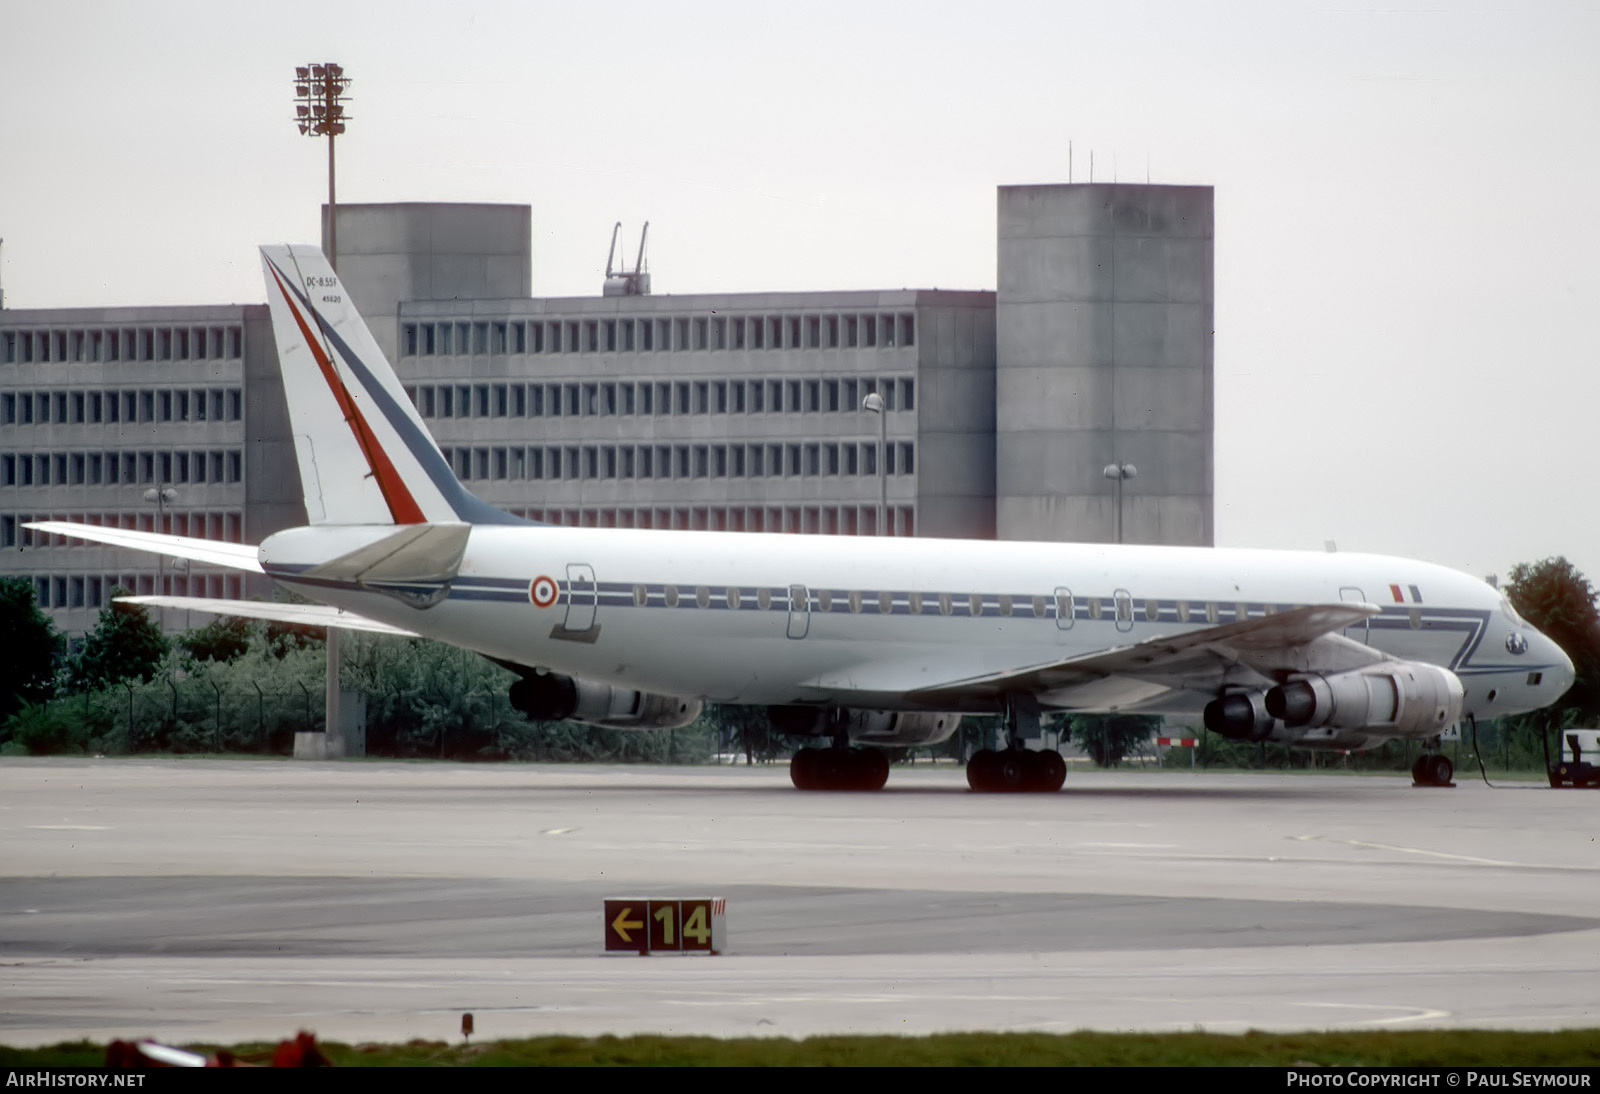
(1562, 674)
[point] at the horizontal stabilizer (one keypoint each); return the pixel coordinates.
(418, 553)
(234, 556)
(306, 615)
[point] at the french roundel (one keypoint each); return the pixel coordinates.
(543, 591)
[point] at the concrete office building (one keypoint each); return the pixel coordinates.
(627, 409)
(1104, 357)
(738, 412)
(99, 406)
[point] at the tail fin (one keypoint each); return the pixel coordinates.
(365, 456)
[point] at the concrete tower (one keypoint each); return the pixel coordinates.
(1104, 356)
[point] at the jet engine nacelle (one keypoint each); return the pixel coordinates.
(556, 698)
(1240, 716)
(889, 728)
(899, 729)
(1395, 699)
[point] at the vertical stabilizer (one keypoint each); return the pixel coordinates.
(365, 457)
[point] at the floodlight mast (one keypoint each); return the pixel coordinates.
(319, 111)
(319, 90)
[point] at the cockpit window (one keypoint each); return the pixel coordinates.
(1511, 613)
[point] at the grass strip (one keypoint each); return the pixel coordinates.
(1412, 1048)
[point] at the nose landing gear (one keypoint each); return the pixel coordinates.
(1433, 768)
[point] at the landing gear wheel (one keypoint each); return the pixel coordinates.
(1433, 769)
(1049, 771)
(1441, 770)
(871, 769)
(802, 771)
(839, 769)
(1015, 769)
(978, 768)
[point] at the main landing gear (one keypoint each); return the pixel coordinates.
(1433, 768)
(839, 769)
(1016, 768)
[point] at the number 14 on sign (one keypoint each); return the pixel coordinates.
(673, 926)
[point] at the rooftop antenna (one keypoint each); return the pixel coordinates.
(620, 281)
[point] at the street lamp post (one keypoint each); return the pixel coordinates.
(1120, 472)
(162, 495)
(874, 403)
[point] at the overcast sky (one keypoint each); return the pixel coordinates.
(1407, 254)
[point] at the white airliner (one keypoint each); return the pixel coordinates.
(866, 640)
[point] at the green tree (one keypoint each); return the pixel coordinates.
(31, 644)
(43, 730)
(126, 644)
(1107, 738)
(1557, 599)
(225, 638)
(747, 729)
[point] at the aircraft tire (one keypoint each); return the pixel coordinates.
(978, 776)
(1013, 770)
(802, 768)
(1440, 770)
(1049, 771)
(870, 768)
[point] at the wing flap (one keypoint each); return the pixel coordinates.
(234, 556)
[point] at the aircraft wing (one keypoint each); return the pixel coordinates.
(310, 615)
(1260, 651)
(234, 556)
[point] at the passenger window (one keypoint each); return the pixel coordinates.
(764, 599)
(855, 600)
(733, 596)
(915, 603)
(639, 596)
(702, 596)
(885, 603)
(945, 604)
(1183, 611)
(1039, 607)
(975, 605)
(1211, 611)
(1005, 605)
(825, 599)
(670, 595)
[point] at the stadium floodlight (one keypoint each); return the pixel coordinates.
(320, 93)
